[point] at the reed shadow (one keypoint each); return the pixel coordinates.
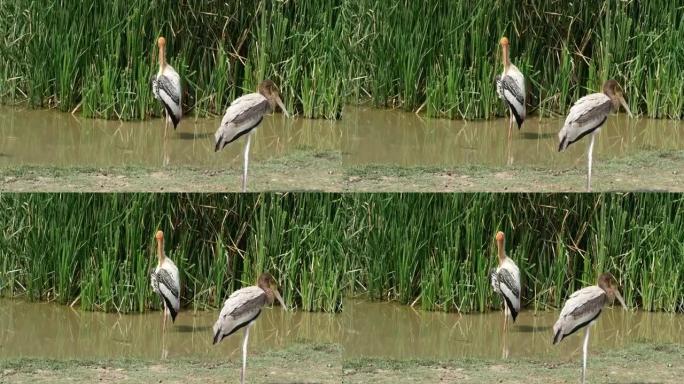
(536, 136)
(193, 136)
(190, 328)
(530, 328)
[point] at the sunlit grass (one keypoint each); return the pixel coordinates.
(429, 250)
(440, 57)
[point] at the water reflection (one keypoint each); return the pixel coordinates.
(363, 136)
(363, 329)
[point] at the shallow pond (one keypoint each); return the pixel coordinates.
(362, 136)
(363, 329)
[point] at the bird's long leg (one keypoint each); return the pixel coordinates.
(510, 129)
(505, 318)
(589, 160)
(244, 353)
(166, 126)
(164, 352)
(584, 353)
(164, 321)
(246, 163)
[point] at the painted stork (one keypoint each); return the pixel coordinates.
(510, 86)
(165, 281)
(241, 310)
(588, 115)
(244, 115)
(166, 87)
(582, 309)
(506, 281)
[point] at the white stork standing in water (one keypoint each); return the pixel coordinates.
(588, 115)
(244, 115)
(241, 310)
(510, 86)
(165, 282)
(506, 281)
(166, 87)
(582, 309)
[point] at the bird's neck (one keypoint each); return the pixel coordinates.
(502, 253)
(162, 59)
(270, 297)
(160, 251)
(506, 59)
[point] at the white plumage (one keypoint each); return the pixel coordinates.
(166, 87)
(243, 116)
(586, 116)
(165, 281)
(511, 89)
(242, 307)
(581, 308)
(510, 289)
(167, 90)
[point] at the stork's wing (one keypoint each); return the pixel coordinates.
(243, 115)
(513, 92)
(167, 89)
(168, 286)
(494, 280)
(585, 116)
(579, 310)
(508, 277)
(511, 88)
(243, 306)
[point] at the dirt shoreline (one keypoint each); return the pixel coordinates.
(326, 171)
(316, 363)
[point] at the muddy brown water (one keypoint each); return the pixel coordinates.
(363, 329)
(362, 136)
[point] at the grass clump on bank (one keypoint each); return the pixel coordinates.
(431, 250)
(440, 57)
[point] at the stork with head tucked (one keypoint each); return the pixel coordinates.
(166, 87)
(165, 281)
(510, 86)
(244, 115)
(588, 115)
(241, 310)
(583, 308)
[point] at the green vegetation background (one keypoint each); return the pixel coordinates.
(434, 249)
(438, 56)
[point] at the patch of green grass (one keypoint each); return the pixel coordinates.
(440, 57)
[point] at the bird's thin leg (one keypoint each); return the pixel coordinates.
(166, 154)
(589, 160)
(164, 321)
(510, 129)
(244, 353)
(164, 352)
(246, 163)
(584, 353)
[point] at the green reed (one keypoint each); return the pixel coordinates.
(432, 251)
(439, 57)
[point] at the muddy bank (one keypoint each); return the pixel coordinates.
(307, 363)
(312, 363)
(308, 170)
(638, 363)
